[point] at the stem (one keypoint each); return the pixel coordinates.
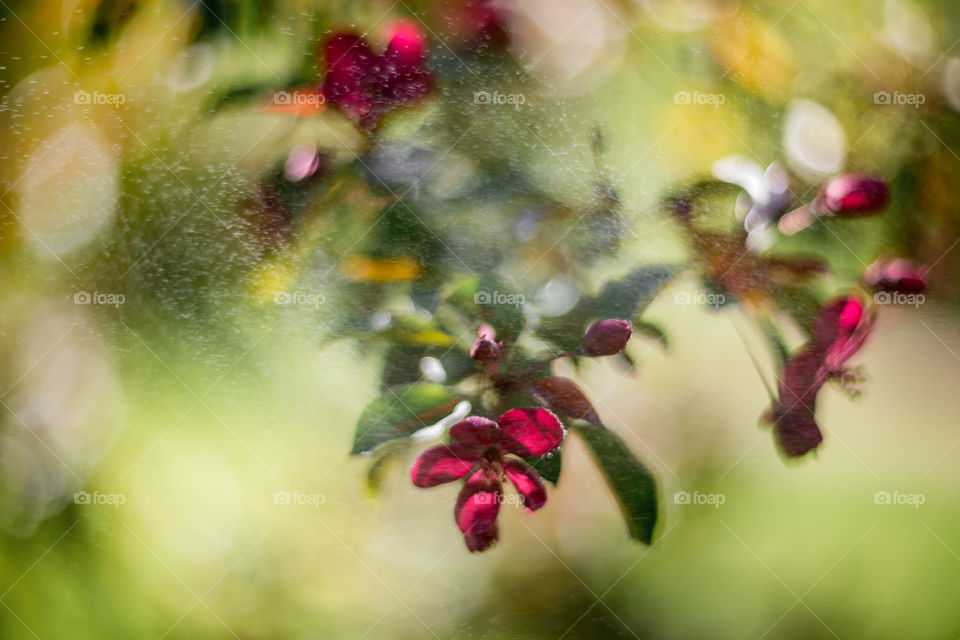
(756, 365)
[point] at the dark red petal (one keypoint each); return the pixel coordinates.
(350, 62)
(606, 337)
(797, 432)
(441, 464)
(801, 379)
(528, 483)
(840, 329)
(837, 320)
(474, 431)
(404, 76)
(477, 507)
(795, 425)
(844, 349)
(530, 431)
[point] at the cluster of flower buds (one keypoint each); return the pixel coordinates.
(365, 85)
(482, 450)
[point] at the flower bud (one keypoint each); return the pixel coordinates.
(900, 275)
(486, 348)
(606, 337)
(852, 195)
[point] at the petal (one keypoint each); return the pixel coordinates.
(349, 63)
(528, 483)
(838, 319)
(530, 431)
(841, 328)
(441, 464)
(486, 332)
(407, 43)
(477, 507)
(795, 425)
(475, 431)
(796, 431)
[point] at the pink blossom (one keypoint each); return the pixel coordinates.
(479, 452)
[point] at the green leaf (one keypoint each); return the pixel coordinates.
(491, 300)
(383, 458)
(566, 331)
(402, 364)
(630, 295)
(401, 413)
(651, 330)
(631, 482)
(547, 466)
(799, 304)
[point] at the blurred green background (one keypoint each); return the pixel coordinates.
(174, 447)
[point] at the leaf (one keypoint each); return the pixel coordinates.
(799, 304)
(566, 331)
(381, 462)
(493, 301)
(563, 396)
(631, 482)
(630, 295)
(414, 332)
(547, 466)
(401, 413)
(651, 330)
(402, 364)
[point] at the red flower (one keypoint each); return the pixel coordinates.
(364, 85)
(840, 329)
(479, 451)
